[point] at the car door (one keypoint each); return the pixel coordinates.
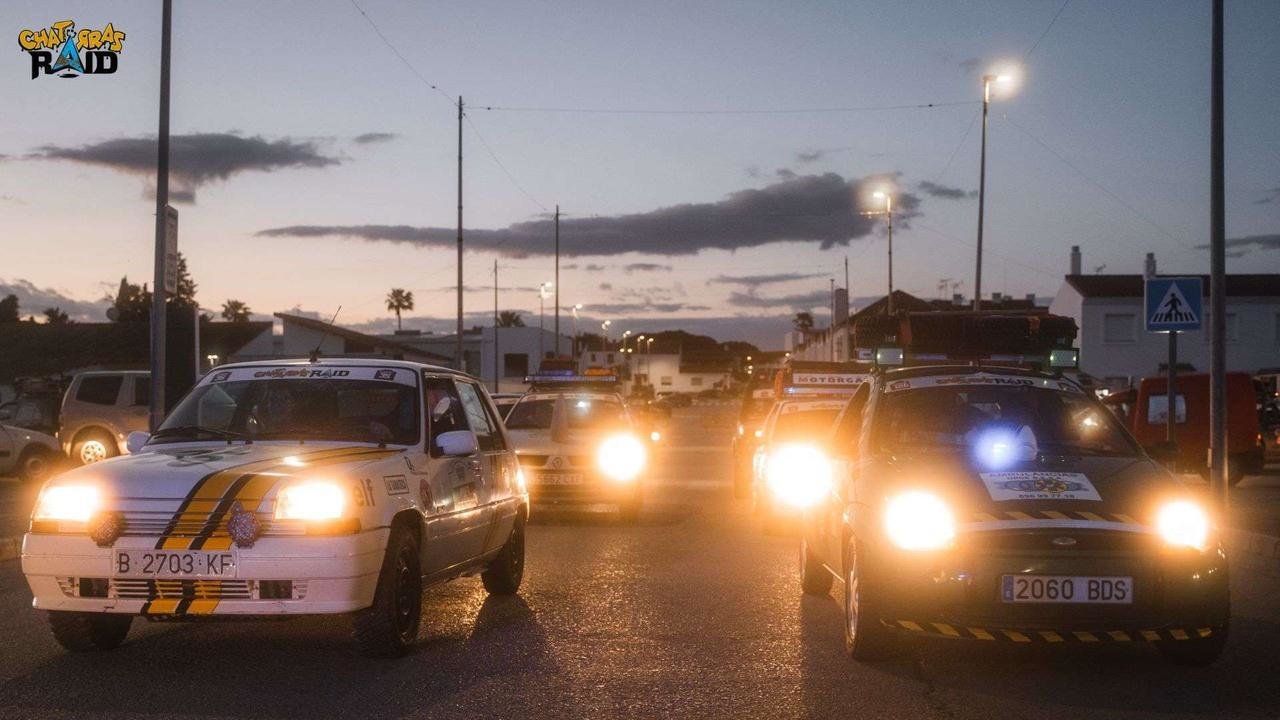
(450, 490)
(494, 475)
(8, 451)
(846, 454)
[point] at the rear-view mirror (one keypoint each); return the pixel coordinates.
(136, 440)
(457, 443)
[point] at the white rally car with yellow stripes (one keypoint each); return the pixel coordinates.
(286, 488)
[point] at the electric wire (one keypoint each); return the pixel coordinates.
(403, 59)
(1053, 20)
(727, 111)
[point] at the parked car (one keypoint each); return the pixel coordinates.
(504, 401)
(32, 413)
(1145, 410)
(99, 410)
(28, 454)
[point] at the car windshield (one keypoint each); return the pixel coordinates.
(581, 413)
(296, 409)
(965, 416)
(804, 423)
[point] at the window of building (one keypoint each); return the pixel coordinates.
(696, 381)
(100, 389)
(1118, 327)
(1232, 329)
(608, 359)
(515, 364)
(665, 381)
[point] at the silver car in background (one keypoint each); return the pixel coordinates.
(99, 410)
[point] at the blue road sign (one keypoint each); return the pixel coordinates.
(1174, 304)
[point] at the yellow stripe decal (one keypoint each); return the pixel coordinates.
(1178, 634)
(1092, 516)
(1020, 515)
(981, 634)
(163, 606)
(1051, 636)
(1204, 632)
(985, 517)
(1150, 635)
(1126, 519)
(946, 629)
(1120, 635)
(1083, 636)
(910, 625)
(1055, 515)
(1016, 636)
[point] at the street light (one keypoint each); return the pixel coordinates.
(987, 82)
(576, 308)
(888, 213)
(604, 327)
(543, 292)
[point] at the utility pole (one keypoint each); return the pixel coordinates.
(982, 191)
(1217, 278)
(158, 293)
(496, 369)
(460, 361)
(557, 280)
(831, 329)
(846, 273)
(1171, 392)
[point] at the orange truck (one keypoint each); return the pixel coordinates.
(1144, 410)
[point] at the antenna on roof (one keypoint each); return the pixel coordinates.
(315, 354)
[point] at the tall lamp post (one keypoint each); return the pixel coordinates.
(888, 213)
(574, 345)
(542, 314)
(987, 81)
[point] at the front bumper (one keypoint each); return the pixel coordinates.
(277, 576)
(591, 488)
(1177, 595)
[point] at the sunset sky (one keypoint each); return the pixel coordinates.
(313, 168)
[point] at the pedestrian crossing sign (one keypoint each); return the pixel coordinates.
(1174, 304)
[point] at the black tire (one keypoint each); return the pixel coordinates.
(1195, 653)
(815, 579)
(505, 571)
(1237, 467)
(389, 627)
(93, 446)
(89, 632)
(37, 463)
(865, 638)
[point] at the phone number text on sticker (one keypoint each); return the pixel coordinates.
(1039, 486)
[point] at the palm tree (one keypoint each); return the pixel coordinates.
(235, 311)
(399, 299)
(510, 318)
(803, 321)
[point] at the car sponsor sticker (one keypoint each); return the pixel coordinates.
(811, 406)
(761, 394)
(310, 372)
(396, 484)
(1039, 485)
(828, 379)
(981, 379)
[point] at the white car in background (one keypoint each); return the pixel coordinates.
(286, 488)
(28, 454)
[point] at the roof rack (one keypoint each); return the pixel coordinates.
(813, 377)
(570, 380)
(975, 338)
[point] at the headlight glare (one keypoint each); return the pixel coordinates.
(798, 475)
(315, 500)
(621, 457)
(67, 503)
(919, 521)
(1183, 523)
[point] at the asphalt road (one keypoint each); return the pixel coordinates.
(692, 613)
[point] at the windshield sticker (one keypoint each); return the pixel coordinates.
(827, 379)
(1004, 486)
(305, 372)
(807, 406)
(980, 379)
(761, 394)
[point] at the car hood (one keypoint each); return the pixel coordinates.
(31, 436)
(174, 472)
(1116, 489)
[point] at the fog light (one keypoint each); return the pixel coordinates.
(105, 528)
(243, 526)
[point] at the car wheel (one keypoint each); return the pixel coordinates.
(505, 572)
(86, 632)
(1195, 653)
(389, 627)
(864, 637)
(36, 464)
(814, 577)
(94, 447)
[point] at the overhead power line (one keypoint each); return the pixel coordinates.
(485, 144)
(398, 54)
(1053, 20)
(728, 111)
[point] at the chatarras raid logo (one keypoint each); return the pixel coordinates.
(62, 50)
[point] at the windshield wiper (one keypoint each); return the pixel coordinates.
(1068, 448)
(193, 430)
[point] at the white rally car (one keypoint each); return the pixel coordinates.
(286, 488)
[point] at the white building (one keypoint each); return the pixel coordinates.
(515, 354)
(301, 336)
(666, 369)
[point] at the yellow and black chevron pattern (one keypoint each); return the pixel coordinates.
(997, 515)
(1049, 636)
(183, 597)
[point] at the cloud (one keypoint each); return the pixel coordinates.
(374, 137)
(195, 160)
(1249, 243)
(645, 267)
(803, 301)
(785, 173)
(1272, 195)
(810, 156)
(752, 171)
(592, 267)
(32, 300)
(817, 209)
(946, 192)
(624, 308)
(606, 287)
(756, 280)
(970, 64)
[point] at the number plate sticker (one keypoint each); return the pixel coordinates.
(560, 479)
(173, 564)
(1111, 590)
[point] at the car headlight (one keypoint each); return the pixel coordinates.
(1183, 523)
(798, 475)
(919, 521)
(315, 500)
(621, 457)
(67, 503)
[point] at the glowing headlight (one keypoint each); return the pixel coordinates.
(316, 500)
(798, 475)
(919, 521)
(621, 457)
(69, 503)
(1184, 524)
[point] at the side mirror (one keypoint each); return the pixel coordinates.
(136, 440)
(458, 443)
(1163, 452)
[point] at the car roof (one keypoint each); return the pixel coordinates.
(348, 362)
(926, 370)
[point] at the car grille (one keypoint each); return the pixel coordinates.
(156, 524)
(198, 589)
(568, 461)
(1069, 540)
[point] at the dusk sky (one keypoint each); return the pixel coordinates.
(313, 169)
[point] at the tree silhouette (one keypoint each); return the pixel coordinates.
(397, 300)
(56, 316)
(510, 318)
(9, 309)
(803, 321)
(235, 311)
